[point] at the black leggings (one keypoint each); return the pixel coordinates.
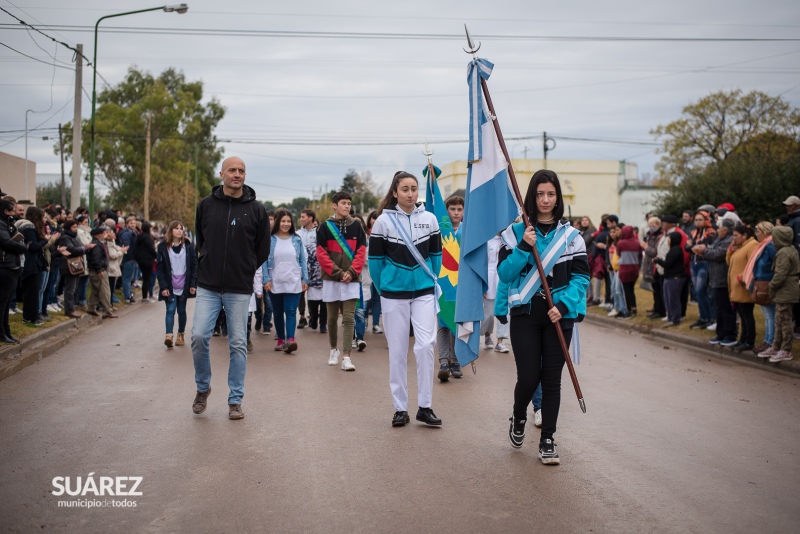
(8, 292)
(537, 353)
(147, 276)
(745, 312)
(30, 297)
(630, 295)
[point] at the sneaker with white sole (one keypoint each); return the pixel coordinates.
(500, 347)
(613, 313)
(347, 364)
(353, 344)
(361, 345)
(768, 353)
(712, 326)
(782, 356)
(333, 359)
(548, 452)
(665, 318)
(52, 308)
(516, 432)
(377, 329)
(537, 418)
(488, 343)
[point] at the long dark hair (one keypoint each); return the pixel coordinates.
(35, 215)
(543, 176)
(280, 213)
(390, 201)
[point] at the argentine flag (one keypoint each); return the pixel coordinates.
(489, 207)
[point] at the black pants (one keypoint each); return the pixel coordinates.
(301, 306)
(726, 317)
(658, 294)
(317, 313)
(70, 286)
(30, 297)
(685, 296)
(607, 285)
(8, 295)
(147, 277)
(537, 353)
(745, 312)
(630, 295)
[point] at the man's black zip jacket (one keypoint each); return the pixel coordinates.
(232, 241)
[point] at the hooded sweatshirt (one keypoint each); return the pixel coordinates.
(232, 240)
(630, 255)
(783, 288)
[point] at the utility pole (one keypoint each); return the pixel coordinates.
(75, 192)
(147, 172)
(524, 151)
(547, 147)
(61, 153)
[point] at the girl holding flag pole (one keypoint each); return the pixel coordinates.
(405, 250)
(537, 351)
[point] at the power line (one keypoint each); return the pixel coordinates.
(304, 34)
(34, 58)
(62, 43)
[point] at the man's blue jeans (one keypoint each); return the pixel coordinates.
(83, 290)
(769, 323)
(128, 272)
(619, 294)
(176, 303)
(52, 286)
(374, 306)
(700, 284)
(284, 307)
(361, 322)
(207, 307)
(43, 277)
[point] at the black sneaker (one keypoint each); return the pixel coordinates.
(444, 372)
(698, 324)
(741, 347)
(400, 419)
(728, 342)
(200, 402)
(516, 432)
(455, 369)
(303, 323)
(548, 452)
(427, 416)
(715, 340)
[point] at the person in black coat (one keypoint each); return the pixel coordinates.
(32, 229)
(74, 248)
(674, 278)
(11, 247)
(145, 256)
(176, 270)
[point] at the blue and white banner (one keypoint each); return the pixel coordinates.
(489, 207)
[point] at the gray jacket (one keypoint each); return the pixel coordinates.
(717, 266)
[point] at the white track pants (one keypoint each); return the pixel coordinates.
(398, 315)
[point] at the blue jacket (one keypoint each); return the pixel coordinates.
(302, 259)
(395, 272)
(568, 280)
(762, 270)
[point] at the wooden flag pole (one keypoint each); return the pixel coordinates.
(545, 287)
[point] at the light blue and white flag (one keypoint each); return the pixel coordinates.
(489, 207)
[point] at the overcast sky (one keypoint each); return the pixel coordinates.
(297, 89)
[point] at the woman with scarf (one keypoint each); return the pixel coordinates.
(739, 253)
(757, 276)
(537, 350)
(703, 234)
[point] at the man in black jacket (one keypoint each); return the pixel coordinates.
(97, 261)
(233, 239)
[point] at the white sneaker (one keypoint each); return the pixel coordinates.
(347, 365)
(11, 311)
(782, 355)
(353, 344)
(613, 313)
(712, 326)
(500, 347)
(488, 343)
(537, 418)
(665, 318)
(52, 308)
(377, 329)
(333, 359)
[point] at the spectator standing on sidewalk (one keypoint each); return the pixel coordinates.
(97, 260)
(743, 245)
(784, 292)
(84, 235)
(233, 241)
(145, 256)
(715, 254)
(127, 240)
(74, 248)
(703, 234)
(285, 277)
(115, 254)
(176, 270)
(11, 247)
(630, 257)
(649, 244)
(32, 230)
(757, 276)
(674, 278)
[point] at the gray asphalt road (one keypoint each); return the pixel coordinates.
(672, 442)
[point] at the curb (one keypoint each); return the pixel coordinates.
(41, 344)
(788, 368)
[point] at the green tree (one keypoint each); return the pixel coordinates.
(180, 124)
(756, 178)
(296, 205)
(718, 125)
(50, 193)
(361, 186)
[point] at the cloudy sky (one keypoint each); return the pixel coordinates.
(313, 88)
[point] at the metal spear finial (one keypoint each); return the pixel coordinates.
(472, 48)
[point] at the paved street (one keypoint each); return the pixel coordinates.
(672, 442)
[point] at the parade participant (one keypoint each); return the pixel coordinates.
(285, 277)
(341, 252)
(232, 241)
(374, 303)
(784, 292)
(361, 305)
(308, 233)
(176, 270)
(11, 246)
(405, 252)
(445, 340)
(97, 261)
(738, 255)
(537, 351)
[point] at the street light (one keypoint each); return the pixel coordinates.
(179, 8)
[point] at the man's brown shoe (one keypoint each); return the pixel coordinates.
(93, 313)
(235, 411)
(109, 315)
(74, 315)
(179, 342)
(200, 401)
(168, 341)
